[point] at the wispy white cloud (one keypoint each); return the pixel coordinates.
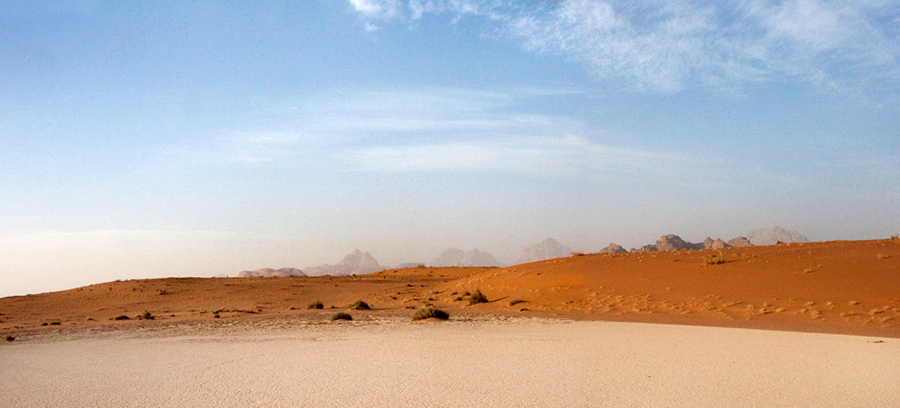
(437, 130)
(672, 45)
(378, 9)
(318, 126)
(540, 156)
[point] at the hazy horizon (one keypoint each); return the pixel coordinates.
(200, 139)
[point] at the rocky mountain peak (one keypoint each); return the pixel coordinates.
(546, 249)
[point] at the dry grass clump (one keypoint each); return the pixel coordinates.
(715, 259)
(340, 316)
(430, 312)
(477, 297)
(515, 302)
(359, 305)
(317, 304)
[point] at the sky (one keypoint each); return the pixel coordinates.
(195, 138)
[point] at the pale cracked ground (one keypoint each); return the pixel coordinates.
(485, 361)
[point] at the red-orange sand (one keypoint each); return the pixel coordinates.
(847, 287)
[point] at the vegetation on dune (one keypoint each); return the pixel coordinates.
(341, 316)
(359, 305)
(715, 259)
(317, 304)
(477, 297)
(430, 312)
(122, 317)
(515, 302)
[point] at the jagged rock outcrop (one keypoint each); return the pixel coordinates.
(546, 249)
(673, 242)
(458, 257)
(709, 243)
(645, 248)
(739, 242)
(613, 249)
(766, 236)
(270, 272)
(771, 236)
(356, 263)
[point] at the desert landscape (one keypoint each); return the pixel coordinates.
(844, 287)
(830, 310)
(445, 203)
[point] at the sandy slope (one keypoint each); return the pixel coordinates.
(834, 287)
(391, 362)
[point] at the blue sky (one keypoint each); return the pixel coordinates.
(148, 139)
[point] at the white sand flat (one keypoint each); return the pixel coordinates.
(498, 364)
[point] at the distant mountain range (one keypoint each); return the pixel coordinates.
(355, 263)
(358, 262)
(458, 257)
(772, 235)
(671, 242)
(546, 249)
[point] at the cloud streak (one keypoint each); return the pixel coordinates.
(536, 156)
(435, 130)
(669, 46)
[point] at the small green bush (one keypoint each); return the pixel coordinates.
(477, 297)
(430, 312)
(341, 316)
(515, 302)
(317, 304)
(360, 305)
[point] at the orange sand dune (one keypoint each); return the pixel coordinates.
(850, 287)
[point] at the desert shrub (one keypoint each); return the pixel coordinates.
(515, 302)
(466, 293)
(122, 317)
(895, 236)
(10, 338)
(477, 297)
(577, 253)
(430, 312)
(341, 316)
(457, 299)
(359, 305)
(715, 259)
(147, 316)
(317, 304)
